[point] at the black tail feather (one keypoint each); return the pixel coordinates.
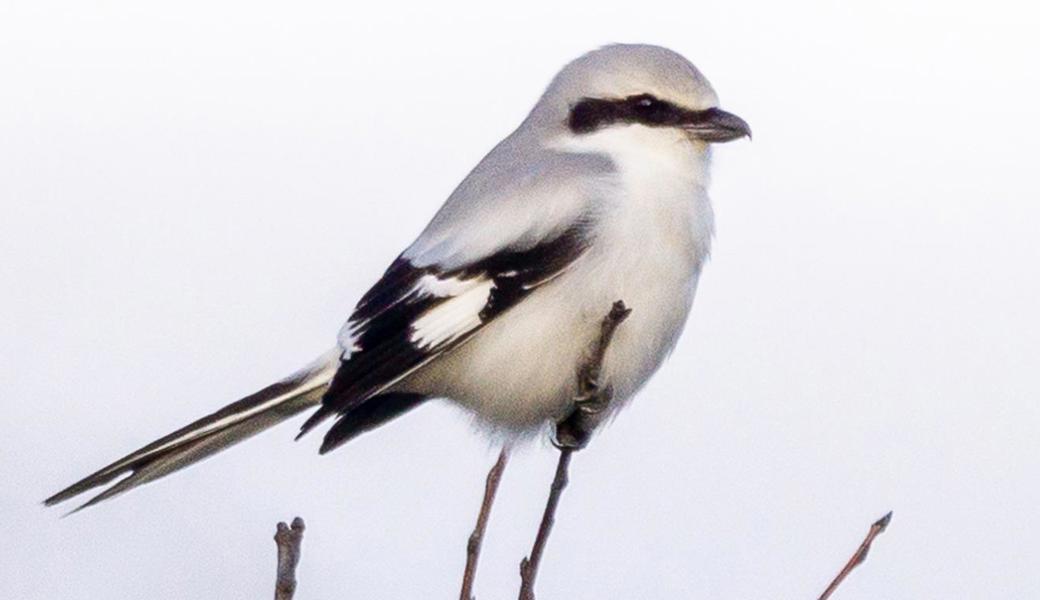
(206, 436)
(185, 455)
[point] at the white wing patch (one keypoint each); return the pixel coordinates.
(442, 288)
(455, 317)
(458, 315)
(348, 337)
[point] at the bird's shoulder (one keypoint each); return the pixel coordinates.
(520, 195)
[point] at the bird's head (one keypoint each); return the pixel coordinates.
(626, 86)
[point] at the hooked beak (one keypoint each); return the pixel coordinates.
(715, 125)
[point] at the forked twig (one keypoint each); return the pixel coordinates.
(476, 538)
(860, 555)
(572, 434)
(288, 541)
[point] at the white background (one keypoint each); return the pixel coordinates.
(194, 194)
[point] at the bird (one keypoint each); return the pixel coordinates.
(599, 195)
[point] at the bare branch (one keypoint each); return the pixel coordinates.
(572, 433)
(476, 539)
(860, 555)
(288, 541)
(529, 566)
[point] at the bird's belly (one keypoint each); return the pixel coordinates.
(520, 371)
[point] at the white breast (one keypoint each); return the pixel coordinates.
(652, 246)
(653, 233)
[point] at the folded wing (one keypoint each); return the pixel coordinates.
(416, 313)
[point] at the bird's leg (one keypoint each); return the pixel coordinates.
(574, 430)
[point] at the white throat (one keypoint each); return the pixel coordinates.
(663, 176)
(660, 148)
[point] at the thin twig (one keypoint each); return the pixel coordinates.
(572, 433)
(476, 538)
(529, 566)
(860, 555)
(288, 541)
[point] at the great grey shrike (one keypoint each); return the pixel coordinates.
(599, 195)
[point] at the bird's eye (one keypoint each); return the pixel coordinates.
(648, 110)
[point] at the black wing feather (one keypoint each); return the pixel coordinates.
(383, 320)
(369, 415)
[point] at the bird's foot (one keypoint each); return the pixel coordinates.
(575, 430)
(570, 435)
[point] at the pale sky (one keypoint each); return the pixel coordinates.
(196, 193)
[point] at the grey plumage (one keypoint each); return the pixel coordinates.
(599, 195)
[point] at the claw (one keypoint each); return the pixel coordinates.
(570, 436)
(596, 402)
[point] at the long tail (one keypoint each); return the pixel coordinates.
(210, 434)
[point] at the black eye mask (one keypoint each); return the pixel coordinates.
(708, 125)
(591, 114)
